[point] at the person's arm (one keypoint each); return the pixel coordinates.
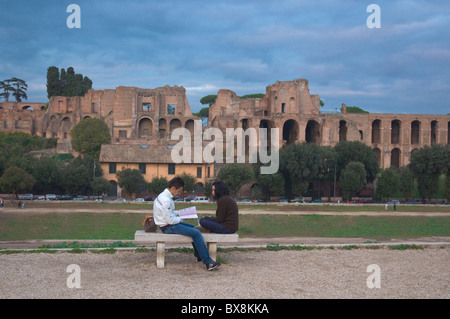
(221, 211)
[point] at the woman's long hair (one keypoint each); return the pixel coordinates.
(220, 189)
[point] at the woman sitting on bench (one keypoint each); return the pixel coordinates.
(227, 213)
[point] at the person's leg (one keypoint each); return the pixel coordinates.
(214, 226)
(199, 244)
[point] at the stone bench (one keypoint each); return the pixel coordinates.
(211, 240)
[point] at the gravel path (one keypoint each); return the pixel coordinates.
(317, 273)
(325, 273)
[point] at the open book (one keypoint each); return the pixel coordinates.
(188, 213)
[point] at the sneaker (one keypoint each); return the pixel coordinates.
(199, 259)
(212, 265)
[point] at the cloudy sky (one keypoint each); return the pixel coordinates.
(244, 46)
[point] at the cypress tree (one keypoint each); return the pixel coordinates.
(53, 82)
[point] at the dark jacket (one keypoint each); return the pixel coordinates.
(227, 213)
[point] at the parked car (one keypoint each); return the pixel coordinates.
(78, 198)
(363, 201)
(200, 199)
(245, 200)
(120, 199)
(189, 198)
(394, 202)
(317, 201)
(66, 197)
(26, 197)
(148, 199)
(139, 199)
(50, 197)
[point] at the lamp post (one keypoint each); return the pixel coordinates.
(334, 187)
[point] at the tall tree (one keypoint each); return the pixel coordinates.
(15, 180)
(5, 89)
(66, 83)
(209, 99)
(89, 135)
(406, 182)
(349, 151)
(19, 89)
(54, 84)
(157, 185)
(388, 183)
(189, 182)
(69, 87)
(352, 178)
(427, 164)
(130, 180)
(235, 175)
(300, 163)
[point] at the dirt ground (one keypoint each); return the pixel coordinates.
(255, 273)
(326, 273)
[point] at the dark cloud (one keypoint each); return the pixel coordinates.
(239, 45)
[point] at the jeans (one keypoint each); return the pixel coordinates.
(198, 243)
(214, 226)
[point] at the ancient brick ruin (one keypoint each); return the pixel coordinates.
(148, 116)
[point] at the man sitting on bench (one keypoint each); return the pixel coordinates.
(166, 217)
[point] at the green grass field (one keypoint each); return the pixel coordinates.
(148, 206)
(122, 226)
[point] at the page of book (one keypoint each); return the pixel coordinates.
(188, 213)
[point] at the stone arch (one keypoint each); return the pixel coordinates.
(66, 127)
(434, 132)
(112, 189)
(27, 108)
(395, 131)
(415, 132)
(190, 126)
(54, 126)
(175, 123)
(162, 128)
(290, 131)
(145, 127)
(199, 187)
(376, 132)
(395, 157)
(342, 130)
(448, 132)
(266, 124)
(312, 132)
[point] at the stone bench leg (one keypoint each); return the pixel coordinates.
(212, 249)
(160, 251)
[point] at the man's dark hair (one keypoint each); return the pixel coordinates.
(176, 182)
(220, 189)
